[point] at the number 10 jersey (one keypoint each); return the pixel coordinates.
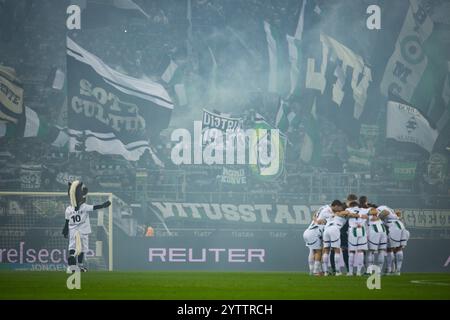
(79, 220)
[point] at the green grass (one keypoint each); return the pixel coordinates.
(218, 285)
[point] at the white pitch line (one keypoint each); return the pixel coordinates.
(430, 282)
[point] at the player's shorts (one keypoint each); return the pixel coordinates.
(376, 240)
(332, 237)
(313, 237)
(78, 242)
(397, 234)
(357, 239)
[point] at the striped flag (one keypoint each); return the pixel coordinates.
(109, 112)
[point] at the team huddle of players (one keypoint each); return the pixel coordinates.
(369, 234)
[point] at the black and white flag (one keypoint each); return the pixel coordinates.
(217, 123)
(110, 112)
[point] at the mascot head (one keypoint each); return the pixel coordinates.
(77, 193)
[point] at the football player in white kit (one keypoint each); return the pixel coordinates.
(377, 239)
(313, 235)
(397, 238)
(332, 239)
(77, 226)
(357, 237)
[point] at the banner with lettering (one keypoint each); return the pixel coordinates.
(110, 112)
(405, 170)
(213, 121)
(233, 176)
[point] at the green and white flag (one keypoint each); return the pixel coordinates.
(347, 66)
(281, 119)
(294, 60)
(361, 74)
(284, 57)
(285, 118)
(275, 145)
(294, 51)
(311, 149)
(408, 62)
(407, 124)
(273, 58)
(278, 60)
(417, 70)
(301, 22)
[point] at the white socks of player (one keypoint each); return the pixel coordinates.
(389, 261)
(359, 262)
(355, 260)
(316, 269)
(337, 263)
(370, 257)
(398, 261)
(380, 257)
(311, 261)
(351, 260)
(325, 258)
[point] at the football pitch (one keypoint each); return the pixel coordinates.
(219, 285)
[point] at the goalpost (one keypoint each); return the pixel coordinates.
(35, 220)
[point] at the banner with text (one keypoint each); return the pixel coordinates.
(110, 112)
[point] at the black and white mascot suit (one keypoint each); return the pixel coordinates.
(77, 226)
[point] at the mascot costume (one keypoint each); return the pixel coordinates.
(77, 227)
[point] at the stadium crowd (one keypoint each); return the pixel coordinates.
(32, 42)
